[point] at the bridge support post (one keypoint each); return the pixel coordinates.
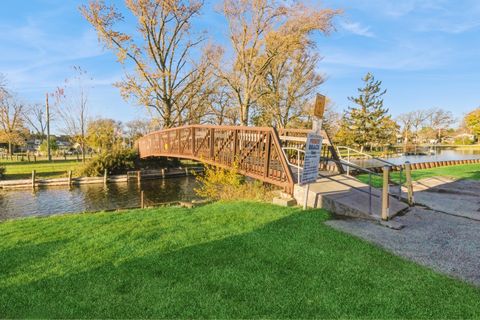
(408, 174)
(385, 199)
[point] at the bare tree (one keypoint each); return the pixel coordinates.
(439, 120)
(35, 117)
(167, 77)
(289, 83)
(252, 23)
(72, 108)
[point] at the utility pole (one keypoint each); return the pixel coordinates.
(48, 128)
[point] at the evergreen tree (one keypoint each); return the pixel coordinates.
(367, 124)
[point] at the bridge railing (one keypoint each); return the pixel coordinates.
(295, 139)
(254, 151)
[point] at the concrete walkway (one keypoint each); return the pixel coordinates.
(456, 197)
(346, 195)
(446, 243)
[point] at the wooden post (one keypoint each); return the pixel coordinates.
(385, 197)
(105, 177)
(163, 173)
(142, 200)
(33, 179)
(186, 171)
(69, 177)
(408, 173)
(139, 177)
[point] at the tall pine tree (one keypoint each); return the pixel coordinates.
(367, 124)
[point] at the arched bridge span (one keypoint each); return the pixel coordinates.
(263, 153)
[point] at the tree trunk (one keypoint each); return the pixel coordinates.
(83, 152)
(244, 116)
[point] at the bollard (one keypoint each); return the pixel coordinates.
(33, 179)
(105, 177)
(385, 202)
(142, 200)
(70, 177)
(186, 172)
(408, 174)
(163, 173)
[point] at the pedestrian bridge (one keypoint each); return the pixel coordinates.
(262, 153)
(273, 156)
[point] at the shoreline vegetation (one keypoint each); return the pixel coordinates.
(223, 260)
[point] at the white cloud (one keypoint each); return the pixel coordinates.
(356, 28)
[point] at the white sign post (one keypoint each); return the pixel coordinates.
(313, 149)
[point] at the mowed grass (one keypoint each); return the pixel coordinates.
(224, 260)
(44, 169)
(464, 171)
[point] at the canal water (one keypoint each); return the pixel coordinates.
(93, 197)
(440, 155)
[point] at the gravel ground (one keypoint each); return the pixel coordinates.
(443, 242)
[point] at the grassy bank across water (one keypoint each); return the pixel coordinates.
(464, 171)
(43, 168)
(224, 260)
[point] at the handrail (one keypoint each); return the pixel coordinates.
(369, 192)
(390, 164)
(364, 154)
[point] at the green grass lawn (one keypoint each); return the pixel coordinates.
(44, 169)
(224, 260)
(464, 171)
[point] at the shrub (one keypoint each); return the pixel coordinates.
(115, 162)
(222, 184)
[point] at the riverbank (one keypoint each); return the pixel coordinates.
(223, 260)
(137, 176)
(462, 171)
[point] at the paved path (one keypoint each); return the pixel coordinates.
(456, 197)
(446, 243)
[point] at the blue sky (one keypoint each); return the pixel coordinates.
(427, 53)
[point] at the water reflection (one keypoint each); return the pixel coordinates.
(93, 197)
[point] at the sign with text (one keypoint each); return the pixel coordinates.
(313, 148)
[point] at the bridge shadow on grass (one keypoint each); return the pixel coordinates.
(294, 267)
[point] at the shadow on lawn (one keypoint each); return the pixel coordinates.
(294, 267)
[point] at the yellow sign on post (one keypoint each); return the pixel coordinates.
(319, 109)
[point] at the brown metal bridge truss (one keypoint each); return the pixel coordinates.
(255, 152)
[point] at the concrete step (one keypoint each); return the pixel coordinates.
(347, 196)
